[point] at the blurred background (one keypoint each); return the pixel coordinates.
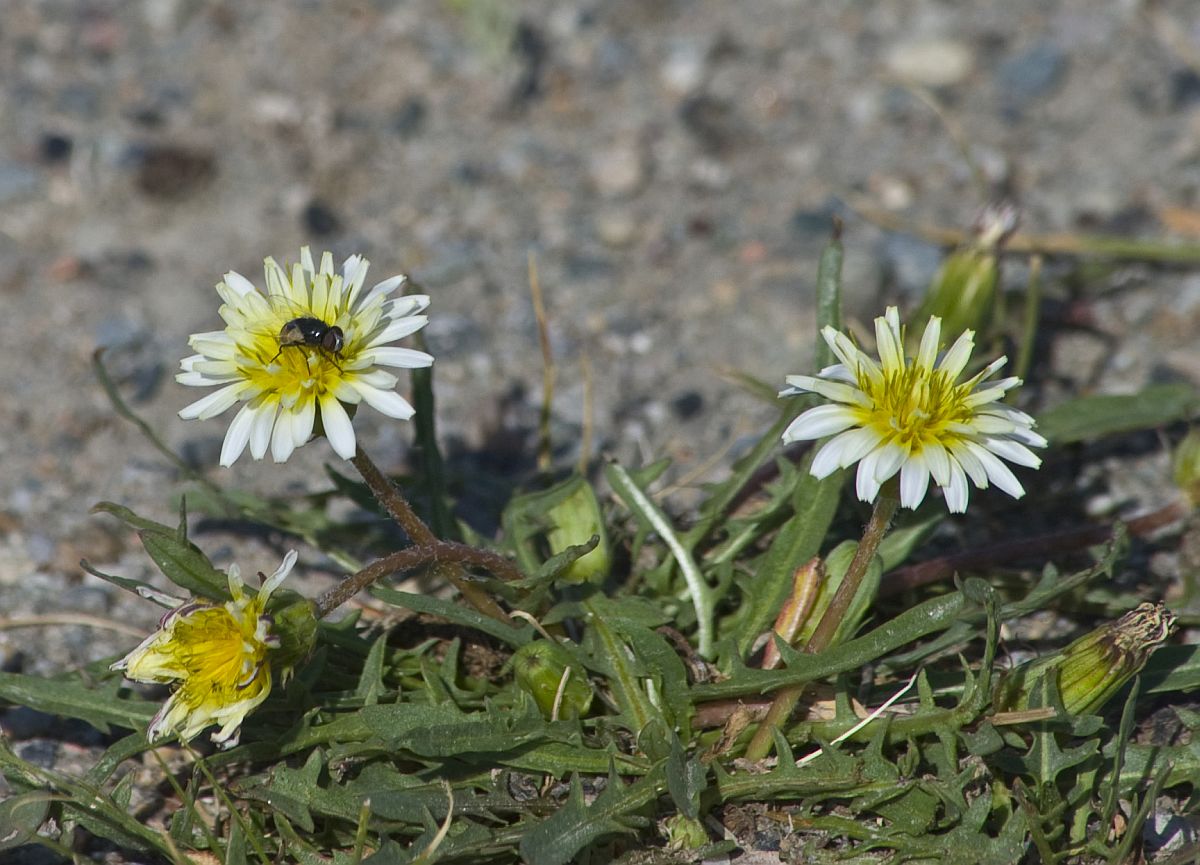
(673, 167)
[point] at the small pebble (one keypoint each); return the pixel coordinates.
(618, 171)
(931, 62)
(1031, 74)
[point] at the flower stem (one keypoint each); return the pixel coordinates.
(438, 554)
(422, 537)
(785, 701)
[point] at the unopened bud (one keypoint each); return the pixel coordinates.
(963, 292)
(1095, 667)
(1187, 466)
(575, 519)
(560, 689)
(685, 833)
(294, 623)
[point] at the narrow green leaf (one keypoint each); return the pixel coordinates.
(185, 566)
(1092, 417)
(699, 592)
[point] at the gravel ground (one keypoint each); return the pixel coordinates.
(673, 166)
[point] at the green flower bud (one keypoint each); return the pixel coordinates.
(1095, 667)
(544, 670)
(685, 833)
(575, 519)
(963, 292)
(1187, 466)
(294, 623)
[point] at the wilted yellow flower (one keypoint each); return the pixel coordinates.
(216, 657)
(1093, 668)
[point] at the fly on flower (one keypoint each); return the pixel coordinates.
(310, 344)
(915, 417)
(216, 656)
(303, 331)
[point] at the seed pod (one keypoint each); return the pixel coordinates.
(544, 669)
(1095, 667)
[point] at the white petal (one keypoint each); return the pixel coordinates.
(887, 340)
(282, 440)
(930, 342)
(1029, 437)
(888, 460)
(865, 485)
(816, 423)
(958, 491)
(955, 360)
(273, 581)
(303, 416)
(338, 428)
(882, 462)
(836, 391)
(388, 402)
(938, 461)
(399, 329)
(998, 473)
(239, 283)
(1012, 451)
(215, 403)
(843, 450)
(260, 433)
(237, 436)
(848, 353)
(963, 455)
(399, 307)
(406, 358)
(914, 482)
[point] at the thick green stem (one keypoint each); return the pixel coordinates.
(785, 701)
(421, 535)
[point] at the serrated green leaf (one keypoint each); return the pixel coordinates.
(686, 780)
(559, 838)
(99, 706)
(21, 816)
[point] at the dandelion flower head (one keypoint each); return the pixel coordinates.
(216, 657)
(914, 416)
(284, 385)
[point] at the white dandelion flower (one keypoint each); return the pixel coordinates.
(309, 345)
(912, 416)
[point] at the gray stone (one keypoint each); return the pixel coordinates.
(1032, 74)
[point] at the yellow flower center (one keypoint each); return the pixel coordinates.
(915, 406)
(222, 656)
(288, 371)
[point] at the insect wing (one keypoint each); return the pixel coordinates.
(283, 310)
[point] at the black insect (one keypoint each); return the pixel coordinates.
(308, 331)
